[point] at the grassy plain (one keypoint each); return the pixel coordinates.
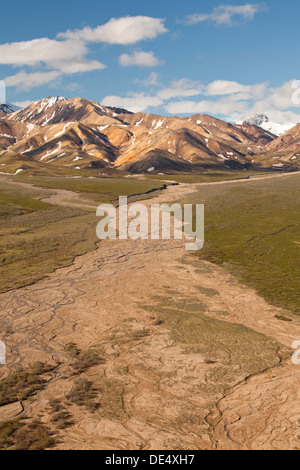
(209, 176)
(97, 189)
(252, 229)
(36, 238)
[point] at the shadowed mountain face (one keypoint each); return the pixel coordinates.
(288, 142)
(6, 108)
(81, 133)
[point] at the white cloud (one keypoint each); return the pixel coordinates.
(181, 88)
(223, 87)
(63, 57)
(135, 102)
(139, 58)
(22, 104)
(152, 80)
(72, 86)
(282, 97)
(127, 30)
(80, 66)
(38, 51)
(227, 99)
(67, 54)
(26, 81)
(226, 14)
(222, 106)
(187, 88)
(235, 100)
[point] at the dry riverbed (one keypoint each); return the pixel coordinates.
(183, 356)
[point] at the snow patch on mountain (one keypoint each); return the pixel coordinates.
(49, 102)
(263, 121)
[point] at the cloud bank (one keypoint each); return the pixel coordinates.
(124, 31)
(67, 54)
(141, 59)
(228, 15)
(227, 99)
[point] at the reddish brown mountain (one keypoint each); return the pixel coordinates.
(80, 133)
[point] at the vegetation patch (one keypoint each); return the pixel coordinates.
(25, 435)
(61, 418)
(23, 384)
(84, 394)
(283, 318)
(233, 351)
(207, 291)
(83, 360)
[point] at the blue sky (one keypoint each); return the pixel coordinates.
(223, 58)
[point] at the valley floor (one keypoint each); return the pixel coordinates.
(191, 358)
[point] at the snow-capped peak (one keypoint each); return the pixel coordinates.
(256, 120)
(50, 101)
(264, 122)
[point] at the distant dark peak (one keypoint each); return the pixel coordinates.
(118, 110)
(6, 108)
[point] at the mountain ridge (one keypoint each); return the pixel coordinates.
(82, 133)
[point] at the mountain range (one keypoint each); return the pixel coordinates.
(80, 133)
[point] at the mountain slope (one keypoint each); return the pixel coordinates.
(66, 140)
(287, 146)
